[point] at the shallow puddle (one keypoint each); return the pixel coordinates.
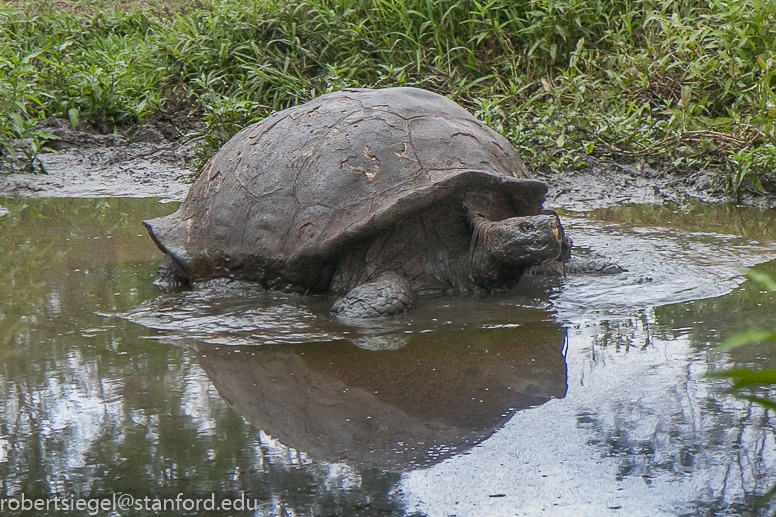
(577, 396)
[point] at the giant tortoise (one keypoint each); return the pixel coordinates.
(372, 196)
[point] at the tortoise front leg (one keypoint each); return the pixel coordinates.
(389, 294)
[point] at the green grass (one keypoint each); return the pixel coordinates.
(685, 83)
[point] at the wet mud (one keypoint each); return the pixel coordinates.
(151, 160)
(605, 184)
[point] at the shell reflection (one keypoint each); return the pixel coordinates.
(439, 395)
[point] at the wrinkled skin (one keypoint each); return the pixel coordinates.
(372, 196)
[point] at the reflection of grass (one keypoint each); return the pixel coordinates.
(750, 384)
(696, 217)
(45, 241)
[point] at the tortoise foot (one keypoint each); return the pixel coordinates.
(389, 294)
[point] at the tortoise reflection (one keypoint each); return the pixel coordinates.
(439, 395)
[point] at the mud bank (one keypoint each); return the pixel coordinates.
(608, 184)
(153, 161)
(148, 161)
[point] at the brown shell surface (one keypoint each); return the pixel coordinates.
(302, 182)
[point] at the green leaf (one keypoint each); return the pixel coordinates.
(744, 377)
(44, 135)
(723, 122)
(766, 403)
(19, 123)
(533, 47)
(9, 149)
(72, 114)
(686, 94)
(748, 336)
(763, 279)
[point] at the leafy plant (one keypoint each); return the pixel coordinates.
(749, 384)
(17, 133)
(31, 143)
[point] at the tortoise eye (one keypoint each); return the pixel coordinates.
(526, 227)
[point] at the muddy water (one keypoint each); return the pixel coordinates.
(583, 396)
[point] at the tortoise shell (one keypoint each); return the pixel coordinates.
(285, 195)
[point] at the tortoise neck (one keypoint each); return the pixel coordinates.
(487, 272)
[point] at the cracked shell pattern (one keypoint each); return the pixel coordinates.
(286, 193)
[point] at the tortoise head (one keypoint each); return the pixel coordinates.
(512, 245)
(525, 240)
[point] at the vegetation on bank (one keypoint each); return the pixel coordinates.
(691, 84)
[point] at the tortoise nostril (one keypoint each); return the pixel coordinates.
(526, 227)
